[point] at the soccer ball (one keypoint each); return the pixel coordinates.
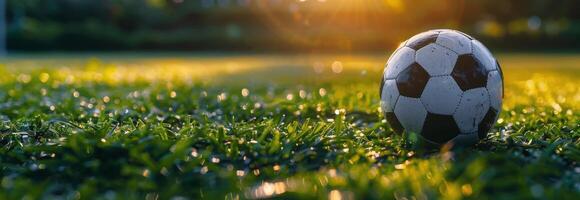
(444, 86)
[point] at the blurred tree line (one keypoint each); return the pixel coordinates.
(283, 25)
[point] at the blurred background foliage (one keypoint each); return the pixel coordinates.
(284, 25)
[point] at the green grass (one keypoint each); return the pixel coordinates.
(214, 127)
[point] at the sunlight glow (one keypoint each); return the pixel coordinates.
(395, 5)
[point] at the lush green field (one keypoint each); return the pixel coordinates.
(189, 127)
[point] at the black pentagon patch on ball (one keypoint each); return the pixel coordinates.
(423, 41)
(412, 81)
(439, 128)
(394, 122)
(486, 123)
(500, 75)
(469, 73)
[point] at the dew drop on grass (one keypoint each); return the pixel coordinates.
(337, 67)
(204, 170)
(240, 173)
(245, 92)
(400, 166)
(322, 92)
(222, 97)
(266, 190)
(302, 94)
(332, 173)
(194, 152)
(44, 77)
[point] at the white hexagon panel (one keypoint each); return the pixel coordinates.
(411, 113)
(455, 41)
(441, 95)
(472, 108)
(495, 89)
(389, 95)
(400, 60)
(436, 59)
